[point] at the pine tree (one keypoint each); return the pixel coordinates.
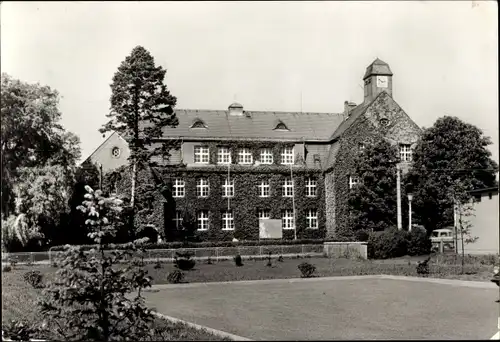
(141, 106)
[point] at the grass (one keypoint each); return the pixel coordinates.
(325, 267)
(19, 303)
(19, 299)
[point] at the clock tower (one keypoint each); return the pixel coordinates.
(378, 78)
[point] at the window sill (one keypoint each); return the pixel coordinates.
(227, 230)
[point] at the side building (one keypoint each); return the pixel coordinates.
(235, 166)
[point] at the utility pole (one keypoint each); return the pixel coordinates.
(398, 189)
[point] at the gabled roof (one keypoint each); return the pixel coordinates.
(256, 125)
(354, 115)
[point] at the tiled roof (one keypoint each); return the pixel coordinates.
(378, 67)
(354, 114)
(254, 125)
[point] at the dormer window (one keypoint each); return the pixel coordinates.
(198, 123)
(280, 126)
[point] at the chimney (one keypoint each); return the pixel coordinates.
(348, 107)
(235, 109)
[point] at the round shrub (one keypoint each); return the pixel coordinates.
(237, 260)
(6, 268)
(183, 261)
(175, 277)
(390, 243)
(34, 278)
(419, 242)
(307, 270)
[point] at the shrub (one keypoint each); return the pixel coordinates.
(158, 265)
(269, 261)
(98, 296)
(237, 260)
(280, 258)
(13, 262)
(207, 244)
(6, 268)
(307, 270)
(209, 261)
(20, 331)
(419, 242)
(390, 243)
(175, 277)
(34, 278)
(423, 267)
(362, 235)
(183, 261)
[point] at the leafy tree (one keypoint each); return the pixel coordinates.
(141, 106)
(31, 135)
(74, 222)
(450, 151)
(373, 202)
(42, 196)
(97, 296)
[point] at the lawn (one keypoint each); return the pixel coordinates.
(325, 267)
(19, 298)
(19, 303)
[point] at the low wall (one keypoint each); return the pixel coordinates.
(346, 250)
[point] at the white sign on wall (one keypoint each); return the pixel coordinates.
(270, 229)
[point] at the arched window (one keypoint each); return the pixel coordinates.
(281, 126)
(198, 124)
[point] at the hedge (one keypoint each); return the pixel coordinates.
(208, 244)
(394, 243)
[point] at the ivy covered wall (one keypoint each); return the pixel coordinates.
(365, 130)
(246, 201)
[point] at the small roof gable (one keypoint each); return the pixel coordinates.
(378, 67)
(198, 123)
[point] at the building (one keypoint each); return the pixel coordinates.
(237, 166)
(483, 223)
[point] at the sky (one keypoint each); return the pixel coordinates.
(280, 56)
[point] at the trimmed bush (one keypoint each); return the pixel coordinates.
(419, 242)
(237, 260)
(280, 258)
(208, 244)
(390, 243)
(158, 265)
(183, 261)
(6, 268)
(34, 278)
(307, 270)
(175, 277)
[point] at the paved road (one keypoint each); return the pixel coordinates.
(346, 308)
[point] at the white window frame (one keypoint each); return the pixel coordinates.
(353, 180)
(311, 187)
(264, 188)
(201, 155)
(179, 188)
(202, 219)
(312, 219)
(287, 187)
(264, 214)
(228, 188)
(223, 155)
(287, 155)
(227, 220)
(287, 219)
(178, 219)
(245, 156)
(202, 187)
(266, 156)
(405, 152)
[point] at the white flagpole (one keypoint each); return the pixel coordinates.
(293, 204)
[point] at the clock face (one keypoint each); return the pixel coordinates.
(382, 81)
